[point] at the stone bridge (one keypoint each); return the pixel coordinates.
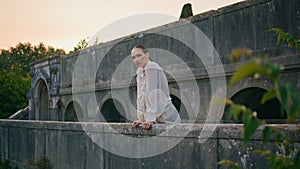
(83, 86)
(73, 95)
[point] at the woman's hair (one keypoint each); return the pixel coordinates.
(145, 50)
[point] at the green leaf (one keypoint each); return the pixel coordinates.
(282, 36)
(283, 96)
(273, 162)
(251, 129)
(271, 94)
(262, 152)
(267, 133)
(279, 137)
(278, 32)
(250, 125)
(271, 70)
(246, 70)
(246, 117)
(229, 163)
(292, 42)
(298, 46)
(295, 107)
(297, 160)
(289, 100)
(235, 111)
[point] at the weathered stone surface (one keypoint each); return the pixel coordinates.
(68, 146)
(241, 25)
(71, 145)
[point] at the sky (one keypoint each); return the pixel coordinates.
(63, 23)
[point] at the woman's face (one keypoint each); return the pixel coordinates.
(139, 58)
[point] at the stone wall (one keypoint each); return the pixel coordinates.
(242, 25)
(66, 145)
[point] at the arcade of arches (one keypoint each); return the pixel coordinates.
(113, 111)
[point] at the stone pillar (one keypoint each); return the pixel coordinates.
(30, 97)
(54, 90)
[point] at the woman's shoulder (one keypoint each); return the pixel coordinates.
(152, 65)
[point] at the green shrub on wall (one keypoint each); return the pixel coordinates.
(5, 164)
(40, 163)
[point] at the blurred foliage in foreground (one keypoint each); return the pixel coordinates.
(289, 100)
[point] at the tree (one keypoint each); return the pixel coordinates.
(186, 11)
(14, 70)
(13, 89)
(81, 45)
(23, 54)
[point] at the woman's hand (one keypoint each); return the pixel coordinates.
(147, 125)
(136, 123)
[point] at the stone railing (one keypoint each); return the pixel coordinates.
(88, 145)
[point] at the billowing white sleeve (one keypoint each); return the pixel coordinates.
(152, 94)
(138, 99)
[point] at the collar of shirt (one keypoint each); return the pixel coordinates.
(140, 70)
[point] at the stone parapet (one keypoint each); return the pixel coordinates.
(66, 145)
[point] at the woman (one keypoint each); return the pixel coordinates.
(153, 97)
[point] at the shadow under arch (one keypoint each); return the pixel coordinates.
(251, 97)
(42, 101)
(112, 111)
(180, 108)
(73, 112)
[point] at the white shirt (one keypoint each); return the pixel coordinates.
(153, 96)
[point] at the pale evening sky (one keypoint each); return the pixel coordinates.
(62, 23)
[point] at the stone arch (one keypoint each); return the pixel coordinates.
(73, 112)
(251, 97)
(248, 83)
(112, 111)
(41, 100)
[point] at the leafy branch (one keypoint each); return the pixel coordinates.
(288, 96)
(285, 37)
